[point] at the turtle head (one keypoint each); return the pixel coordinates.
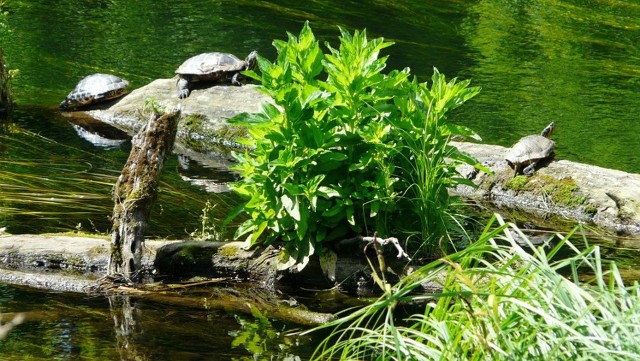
(252, 60)
(546, 132)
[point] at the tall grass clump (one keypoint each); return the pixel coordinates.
(346, 148)
(499, 301)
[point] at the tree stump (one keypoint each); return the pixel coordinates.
(136, 191)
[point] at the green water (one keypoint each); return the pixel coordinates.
(61, 326)
(575, 62)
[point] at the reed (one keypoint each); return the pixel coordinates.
(500, 301)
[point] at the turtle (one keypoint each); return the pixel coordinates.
(93, 89)
(530, 150)
(213, 67)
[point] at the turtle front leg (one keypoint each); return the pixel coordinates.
(183, 87)
(530, 169)
(235, 79)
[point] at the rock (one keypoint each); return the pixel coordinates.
(203, 132)
(569, 191)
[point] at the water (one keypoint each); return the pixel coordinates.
(571, 61)
(62, 326)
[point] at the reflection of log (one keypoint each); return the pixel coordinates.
(135, 192)
(125, 326)
(237, 299)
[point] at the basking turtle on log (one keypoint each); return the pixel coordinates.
(213, 67)
(531, 150)
(94, 89)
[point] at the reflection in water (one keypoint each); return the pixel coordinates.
(212, 177)
(97, 133)
(572, 62)
(125, 327)
(52, 180)
(64, 326)
(96, 138)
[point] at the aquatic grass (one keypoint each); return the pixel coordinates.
(43, 179)
(499, 301)
(426, 160)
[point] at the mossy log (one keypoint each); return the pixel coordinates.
(136, 191)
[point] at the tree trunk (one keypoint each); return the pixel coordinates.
(135, 192)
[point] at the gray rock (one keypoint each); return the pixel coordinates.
(204, 133)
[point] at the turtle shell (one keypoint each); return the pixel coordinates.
(530, 149)
(210, 64)
(94, 89)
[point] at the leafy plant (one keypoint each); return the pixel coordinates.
(499, 301)
(335, 157)
(211, 228)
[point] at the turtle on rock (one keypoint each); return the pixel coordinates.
(530, 150)
(213, 67)
(94, 89)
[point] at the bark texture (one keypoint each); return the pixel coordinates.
(136, 191)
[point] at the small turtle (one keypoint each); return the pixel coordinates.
(94, 89)
(212, 67)
(530, 150)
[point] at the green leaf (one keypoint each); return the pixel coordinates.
(249, 119)
(327, 192)
(291, 206)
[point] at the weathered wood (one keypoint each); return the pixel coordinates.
(136, 191)
(240, 298)
(218, 259)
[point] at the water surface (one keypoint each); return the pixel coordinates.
(63, 326)
(574, 62)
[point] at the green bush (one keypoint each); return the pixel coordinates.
(344, 155)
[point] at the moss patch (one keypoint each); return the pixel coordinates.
(517, 184)
(562, 192)
(201, 138)
(229, 251)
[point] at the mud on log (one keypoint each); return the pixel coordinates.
(136, 191)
